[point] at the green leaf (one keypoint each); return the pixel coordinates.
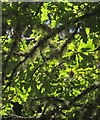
(53, 23)
(44, 15)
(87, 31)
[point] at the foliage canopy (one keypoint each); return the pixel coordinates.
(51, 61)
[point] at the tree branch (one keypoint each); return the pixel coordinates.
(82, 94)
